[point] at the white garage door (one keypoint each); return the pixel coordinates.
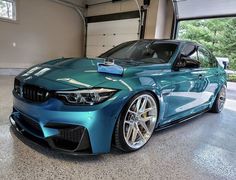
(102, 36)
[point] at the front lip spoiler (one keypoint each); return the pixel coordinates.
(24, 136)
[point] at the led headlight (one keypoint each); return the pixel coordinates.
(86, 96)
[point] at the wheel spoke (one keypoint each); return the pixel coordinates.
(148, 110)
(129, 132)
(144, 125)
(140, 134)
(128, 122)
(144, 104)
(132, 112)
(147, 118)
(134, 135)
(138, 104)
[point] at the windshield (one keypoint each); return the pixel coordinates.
(144, 51)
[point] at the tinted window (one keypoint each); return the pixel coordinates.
(213, 61)
(145, 51)
(190, 55)
(190, 51)
(206, 58)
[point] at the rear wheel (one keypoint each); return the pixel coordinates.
(219, 101)
(137, 122)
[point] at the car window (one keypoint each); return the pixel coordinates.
(162, 51)
(213, 61)
(190, 54)
(204, 58)
(145, 51)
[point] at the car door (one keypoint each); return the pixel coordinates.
(186, 85)
(209, 69)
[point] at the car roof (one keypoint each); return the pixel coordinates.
(172, 41)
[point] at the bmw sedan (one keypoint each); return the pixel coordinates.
(88, 105)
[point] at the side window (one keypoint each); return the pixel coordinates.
(189, 57)
(214, 61)
(205, 58)
(190, 52)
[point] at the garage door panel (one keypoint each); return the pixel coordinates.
(110, 39)
(95, 51)
(118, 39)
(102, 36)
(109, 27)
(96, 40)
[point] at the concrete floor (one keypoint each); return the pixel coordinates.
(203, 148)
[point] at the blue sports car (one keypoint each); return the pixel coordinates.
(85, 105)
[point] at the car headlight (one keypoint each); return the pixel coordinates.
(86, 96)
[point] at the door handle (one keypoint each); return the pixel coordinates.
(200, 76)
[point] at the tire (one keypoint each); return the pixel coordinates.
(136, 122)
(219, 102)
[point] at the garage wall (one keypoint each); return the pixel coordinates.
(152, 11)
(44, 30)
(164, 20)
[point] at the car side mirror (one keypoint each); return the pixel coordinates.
(181, 63)
(187, 62)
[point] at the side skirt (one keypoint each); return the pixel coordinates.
(173, 123)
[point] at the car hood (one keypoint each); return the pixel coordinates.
(74, 73)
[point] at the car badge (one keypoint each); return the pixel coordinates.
(39, 94)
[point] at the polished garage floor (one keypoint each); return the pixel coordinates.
(203, 148)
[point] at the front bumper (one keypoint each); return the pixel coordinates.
(72, 129)
(73, 139)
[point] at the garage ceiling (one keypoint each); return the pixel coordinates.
(195, 9)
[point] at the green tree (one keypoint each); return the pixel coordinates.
(6, 9)
(229, 42)
(218, 35)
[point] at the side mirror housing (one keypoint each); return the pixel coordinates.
(181, 63)
(186, 62)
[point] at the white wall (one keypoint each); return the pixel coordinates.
(164, 19)
(47, 30)
(44, 30)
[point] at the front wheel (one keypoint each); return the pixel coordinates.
(136, 123)
(219, 101)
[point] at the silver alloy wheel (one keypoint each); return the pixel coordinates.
(140, 121)
(222, 98)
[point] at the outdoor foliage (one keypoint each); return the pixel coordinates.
(7, 9)
(218, 35)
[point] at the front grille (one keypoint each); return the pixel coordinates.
(30, 92)
(34, 93)
(31, 125)
(17, 87)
